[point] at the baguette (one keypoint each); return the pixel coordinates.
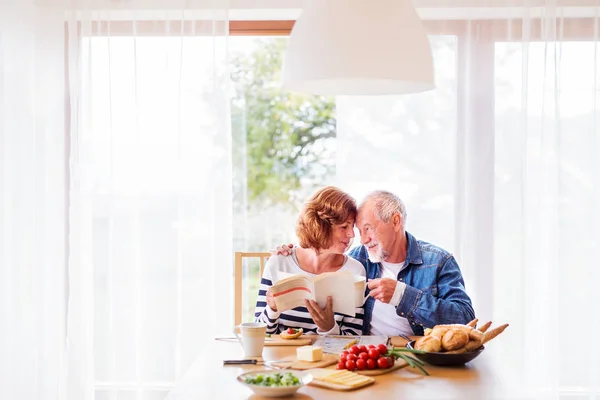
(473, 324)
(474, 344)
(485, 326)
(494, 332)
(476, 335)
(427, 331)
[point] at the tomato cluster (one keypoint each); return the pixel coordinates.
(365, 357)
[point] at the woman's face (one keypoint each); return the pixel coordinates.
(342, 236)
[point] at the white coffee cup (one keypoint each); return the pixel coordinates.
(252, 337)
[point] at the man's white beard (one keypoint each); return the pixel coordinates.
(378, 256)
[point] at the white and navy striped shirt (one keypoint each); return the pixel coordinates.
(299, 317)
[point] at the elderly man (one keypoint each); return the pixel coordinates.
(412, 284)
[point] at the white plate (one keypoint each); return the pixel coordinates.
(276, 391)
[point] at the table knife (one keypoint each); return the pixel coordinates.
(238, 362)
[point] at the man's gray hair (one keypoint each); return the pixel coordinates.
(386, 204)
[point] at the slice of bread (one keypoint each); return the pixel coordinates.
(286, 335)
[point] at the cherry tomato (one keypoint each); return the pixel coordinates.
(382, 363)
(382, 348)
(343, 358)
(362, 348)
(371, 364)
(341, 365)
(363, 356)
(352, 357)
(345, 352)
(361, 364)
(390, 361)
(371, 346)
(354, 349)
(350, 365)
(374, 354)
(291, 331)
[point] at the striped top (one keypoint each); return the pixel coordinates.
(299, 317)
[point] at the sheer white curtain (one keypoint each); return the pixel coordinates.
(115, 195)
(32, 202)
(150, 211)
(500, 166)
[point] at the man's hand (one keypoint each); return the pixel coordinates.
(283, 250)
(323, 317)
(271, 300)
(382, 289)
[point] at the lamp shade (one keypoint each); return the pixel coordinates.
(358, 47)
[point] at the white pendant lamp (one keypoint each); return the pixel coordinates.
(358, 47)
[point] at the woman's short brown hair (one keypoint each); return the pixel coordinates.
(328, 207)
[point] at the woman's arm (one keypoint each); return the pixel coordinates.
(353, 325)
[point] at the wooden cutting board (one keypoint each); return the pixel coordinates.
(293, 363)
(275, 340)
(399, 341)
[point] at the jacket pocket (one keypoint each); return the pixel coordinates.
(432, 290)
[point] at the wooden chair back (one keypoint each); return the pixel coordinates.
(238, 275)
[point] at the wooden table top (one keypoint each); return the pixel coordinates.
(490, 376)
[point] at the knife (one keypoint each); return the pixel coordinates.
(237, 362)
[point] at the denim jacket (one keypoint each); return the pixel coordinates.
(435, 290)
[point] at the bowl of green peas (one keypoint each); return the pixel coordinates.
(271, 383)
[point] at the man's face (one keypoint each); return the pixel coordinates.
(376, 235)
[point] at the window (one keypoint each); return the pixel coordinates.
(455, 155)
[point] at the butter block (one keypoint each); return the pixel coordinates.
(309, 353)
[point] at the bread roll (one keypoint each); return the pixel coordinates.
(438, 332)
(457, 351)
(454, 339)
(459, 327)
(430, 344)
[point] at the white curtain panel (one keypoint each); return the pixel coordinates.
(115, 196)
(33, 173)
(500, 166)
(150, 200)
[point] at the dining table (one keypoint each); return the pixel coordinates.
(489, 376)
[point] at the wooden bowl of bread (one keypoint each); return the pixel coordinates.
(454, 344)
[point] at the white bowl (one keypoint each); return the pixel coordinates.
(276, 391)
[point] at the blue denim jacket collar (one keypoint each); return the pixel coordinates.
(413, 253)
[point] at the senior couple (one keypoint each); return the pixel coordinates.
(411, 284)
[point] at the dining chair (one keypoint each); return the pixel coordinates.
(238, 278)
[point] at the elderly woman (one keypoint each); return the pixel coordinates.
(325, 230)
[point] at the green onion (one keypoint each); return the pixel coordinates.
(398, 352)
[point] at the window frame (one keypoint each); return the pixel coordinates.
(476, 39)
